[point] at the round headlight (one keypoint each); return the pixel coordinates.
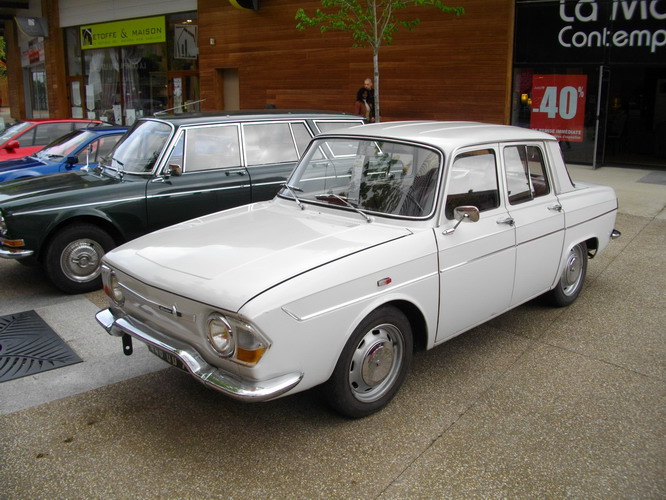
(220, 335)
(114, 290)
(3, 225)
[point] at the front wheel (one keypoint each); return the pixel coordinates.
(573, 275)
(372, 365)
(74, 256)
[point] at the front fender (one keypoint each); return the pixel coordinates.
(310, 318)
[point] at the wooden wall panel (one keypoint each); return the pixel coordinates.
(446, 69)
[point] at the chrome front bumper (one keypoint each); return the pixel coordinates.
(224, 382)
(15, 253)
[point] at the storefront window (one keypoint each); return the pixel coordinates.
(561, 101)
(605, 56)
(119, 84)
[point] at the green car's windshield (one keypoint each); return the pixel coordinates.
(139, 149)
(377, 176)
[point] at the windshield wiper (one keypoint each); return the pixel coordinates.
(292, 190)
(344, 200)
(121, 171)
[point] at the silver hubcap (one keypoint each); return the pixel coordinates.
(573, 271)
(80, 261)
(376, 363)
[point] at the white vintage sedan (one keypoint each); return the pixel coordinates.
(387, 238)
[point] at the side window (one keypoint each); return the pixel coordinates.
(49, 132)
(98, 148)
(269, 143)
(473, 181)
(176, 156)
(210, 148)
(28, 139)
(526, 177)
(106, 144)
(302, 136)
(89, 152)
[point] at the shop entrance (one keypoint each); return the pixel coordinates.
(635, 116)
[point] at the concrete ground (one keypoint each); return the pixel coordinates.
(538, 403)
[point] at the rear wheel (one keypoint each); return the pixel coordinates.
(372, 365)
(572, 278)
(73, 257)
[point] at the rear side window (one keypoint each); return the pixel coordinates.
(473, 181)
(269, 143)
(526, 177)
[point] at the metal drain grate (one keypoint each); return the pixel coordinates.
(28, 346)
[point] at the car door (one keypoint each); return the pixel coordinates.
(271, 154)
(476, 259)
(538, 218)
(203, 174)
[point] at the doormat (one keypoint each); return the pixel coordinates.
(654, 178)
(29, 346)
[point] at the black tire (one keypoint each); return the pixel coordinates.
(73, 258)
(573, 276)
(372, 365)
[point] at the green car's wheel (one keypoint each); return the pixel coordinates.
(74, 255)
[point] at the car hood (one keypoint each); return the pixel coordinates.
(26, 162)
(42, 186)
(230, 257)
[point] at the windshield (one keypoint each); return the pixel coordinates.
(10, 132)
(138, 151)
(64, 146)
(378, 176)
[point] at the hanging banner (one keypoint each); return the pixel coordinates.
(558, 105)
(121, 33)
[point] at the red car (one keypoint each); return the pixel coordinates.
(27, 137)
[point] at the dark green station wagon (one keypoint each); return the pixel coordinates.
(166, 170)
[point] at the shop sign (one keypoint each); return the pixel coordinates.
(121, 33)
(595, 31)
(558, 105)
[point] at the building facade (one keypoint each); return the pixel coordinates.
(589, 71)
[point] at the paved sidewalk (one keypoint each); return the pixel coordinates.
(538, 403)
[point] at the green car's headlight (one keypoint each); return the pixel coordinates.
(3, 225)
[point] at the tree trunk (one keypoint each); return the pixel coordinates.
(375, 64)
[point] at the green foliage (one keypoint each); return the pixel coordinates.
(370, 23)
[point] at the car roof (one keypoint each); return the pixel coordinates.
(59, 120)
(447, 135)
(242, 115)
(104, 128)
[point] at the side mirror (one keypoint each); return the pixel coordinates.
(465, 213)
(174, 170)
(70, 161)
(12, 145)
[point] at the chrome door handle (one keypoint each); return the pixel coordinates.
(555, 208)
(506, 220)
(239, 171)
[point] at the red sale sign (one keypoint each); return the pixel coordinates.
(558, 105)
